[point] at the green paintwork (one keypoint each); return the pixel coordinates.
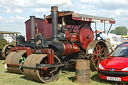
(1, 37)
(12, 43)
(3, 42)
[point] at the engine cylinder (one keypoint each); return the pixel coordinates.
(71, 48)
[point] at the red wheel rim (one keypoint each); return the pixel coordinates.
(98, 54)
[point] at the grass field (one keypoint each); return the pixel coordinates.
(66, 78)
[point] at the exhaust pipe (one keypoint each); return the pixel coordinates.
(32, 27)
(54, 12)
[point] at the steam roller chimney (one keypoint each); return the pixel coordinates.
(54, 12)
(32, 27)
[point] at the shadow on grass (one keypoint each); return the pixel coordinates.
(66, 71)
(24, 77)
(73, 79)
(7, 72)
(13, 73)
(96, 78)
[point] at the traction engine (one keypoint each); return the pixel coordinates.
(41, 59)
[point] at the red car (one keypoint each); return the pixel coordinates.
(115, 67)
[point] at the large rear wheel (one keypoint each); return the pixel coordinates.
(99, 51)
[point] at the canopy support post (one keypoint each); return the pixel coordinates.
(109, 29)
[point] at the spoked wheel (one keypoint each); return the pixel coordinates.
(99, 52)
(14, 59)
(5, 50)
(42, 74)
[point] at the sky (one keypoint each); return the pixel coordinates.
(13, 13)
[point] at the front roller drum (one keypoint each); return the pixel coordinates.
(98, 51)
(42, 74)
(14, 59)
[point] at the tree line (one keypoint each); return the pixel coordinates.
(121, 30)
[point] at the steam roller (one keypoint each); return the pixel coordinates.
(41, 59)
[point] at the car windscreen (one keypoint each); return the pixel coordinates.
(120, 52)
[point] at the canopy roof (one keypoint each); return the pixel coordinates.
(83, 17)
(7, 32)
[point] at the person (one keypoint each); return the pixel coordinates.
(109, 45)
(102, 36)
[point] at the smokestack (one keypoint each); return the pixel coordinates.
(32, 27)
(54, 12)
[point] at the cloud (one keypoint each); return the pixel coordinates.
(15, 12)
(7, 9)
(17, 3)
(1, 18)
(21, 3)
(13, 23)
(106, 4)
(52, 2)
(90, 1)
(118, 12)
(41, 9)
(18, 11)
(21, 18)
(116, 2)
(17, 18)
(12, 19)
